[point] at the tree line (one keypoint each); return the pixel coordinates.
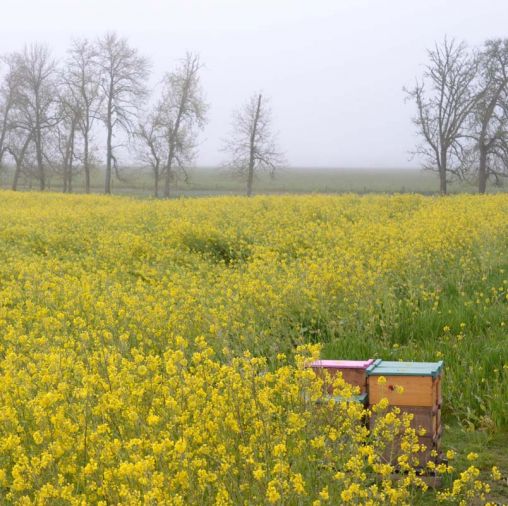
(66, 117)
(52, 114)
(462, 112)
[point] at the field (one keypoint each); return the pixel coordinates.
(216, 181)
(151, 351)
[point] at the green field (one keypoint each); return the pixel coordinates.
(216, 181)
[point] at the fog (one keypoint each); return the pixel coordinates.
(334, 69)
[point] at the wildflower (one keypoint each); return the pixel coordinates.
(324, 494)
(298, 484)
(496, 474)
(272, 493)
(450, 454)
(279, 449)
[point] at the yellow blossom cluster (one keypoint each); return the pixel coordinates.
(198, 431)
(147, 349)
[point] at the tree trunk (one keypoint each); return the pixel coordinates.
(250, 180)
(16, 177)
(40, 162)
(85, 164)
(156, 182)
(109, 157)
(109, 147)
(443, 190)
(252, 151)
(167, 181)
(482, 170)
(3, 133)
(19, 163)
(71, 158)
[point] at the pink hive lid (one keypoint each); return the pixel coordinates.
(342, 364)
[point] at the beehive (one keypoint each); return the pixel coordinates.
(353, 372)
(420, 396)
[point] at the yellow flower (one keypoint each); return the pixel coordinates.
(381, 380)
(37, 437)
(324, 494)
(298, 484)
(279, 449)
(258, 474)
(472, 456)
(496, 474)
(271, 493)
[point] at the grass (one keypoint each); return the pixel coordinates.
(467, 327)
(215, 181)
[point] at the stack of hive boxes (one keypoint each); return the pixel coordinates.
(353, 372)
(420, 395)
(414, 387)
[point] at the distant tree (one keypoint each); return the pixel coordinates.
(35, 101)
(151, 145)
(182, 113)
(18, 144)
(82, 79)
(252, 144)
(445, 97)
(8, 93)
(65, 133)
(123, 86)
(489, 121)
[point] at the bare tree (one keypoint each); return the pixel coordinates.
(182, 113)
(8, 91)
(252, 144)
(123, 77)
(489, 121)
(18, 143)
(35, 100)
(83, 82)
(151, 145)
(64, 138)
(445, 97)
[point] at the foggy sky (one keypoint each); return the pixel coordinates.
(334, 69)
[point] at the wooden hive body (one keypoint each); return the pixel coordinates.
(423, 418)
(420, 381)
(353, 372)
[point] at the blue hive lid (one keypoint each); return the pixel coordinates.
(387, 368)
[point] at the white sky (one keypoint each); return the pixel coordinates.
(334, 69)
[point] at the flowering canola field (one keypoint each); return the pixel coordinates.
(152, 352)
